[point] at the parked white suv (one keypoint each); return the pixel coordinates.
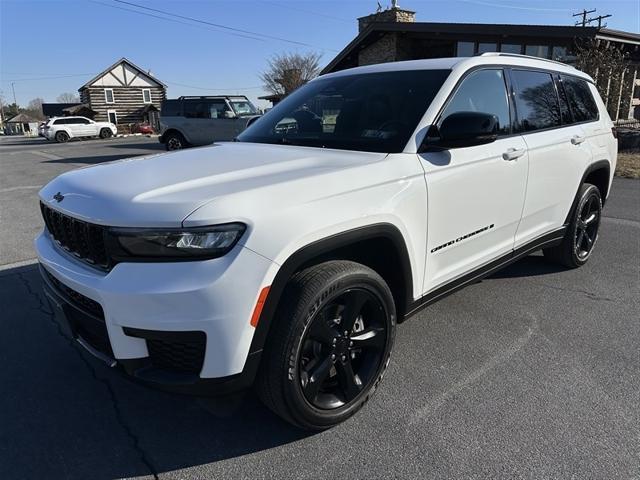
(289, 256)
(62, 129)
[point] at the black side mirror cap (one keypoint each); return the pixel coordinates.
(462, 129)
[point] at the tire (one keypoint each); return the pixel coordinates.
(106, 133)
(581, 236)
(307, 341)
(62, 137)
(174, 141)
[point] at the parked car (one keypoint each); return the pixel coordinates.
(143, 128)
(195, 121)
(287, 258)
(62, 129)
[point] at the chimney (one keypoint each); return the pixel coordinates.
(395, 14)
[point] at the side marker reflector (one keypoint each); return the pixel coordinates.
(255, 318)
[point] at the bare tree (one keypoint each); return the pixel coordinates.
(288, 71)
(34, 108)
(68, 97)
(609, 67)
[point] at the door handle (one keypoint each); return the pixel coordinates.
(577, 139)
(513, 154)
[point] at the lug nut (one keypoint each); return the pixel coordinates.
(346, 334)
(351, 344)
(343, 358)
(335, 340)
(333, 357)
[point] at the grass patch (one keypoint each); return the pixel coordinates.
(628, 165)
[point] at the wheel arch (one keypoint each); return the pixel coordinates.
(163, 137)
(598, 174)
(362, 245)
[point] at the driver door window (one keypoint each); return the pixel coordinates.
(483, 91)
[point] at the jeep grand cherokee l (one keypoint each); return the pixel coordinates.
(286, 259)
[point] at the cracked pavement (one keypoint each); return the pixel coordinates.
(531, 373)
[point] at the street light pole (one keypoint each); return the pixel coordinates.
(13, 88)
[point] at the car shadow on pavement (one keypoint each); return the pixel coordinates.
(530, 266)
(65, 414)
(97, 159)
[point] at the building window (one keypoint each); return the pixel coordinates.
(465, 49)
(108, 95)
(112, 115)
(562, 54)
(146, 95)
(541, 51)
(487, 47)
(511, 48)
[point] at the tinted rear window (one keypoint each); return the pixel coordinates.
(536, 100)
(581, 100)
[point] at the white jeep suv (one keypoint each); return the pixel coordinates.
(62, 129)
(288, 256)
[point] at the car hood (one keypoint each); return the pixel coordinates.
(162, 190)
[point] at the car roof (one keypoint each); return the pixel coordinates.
(465, 63)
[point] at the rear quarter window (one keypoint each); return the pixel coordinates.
(581, 101)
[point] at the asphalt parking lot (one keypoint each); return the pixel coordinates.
(531, 373)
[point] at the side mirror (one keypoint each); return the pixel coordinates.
(464, 129)
(229, 114)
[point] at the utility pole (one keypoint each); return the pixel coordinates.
(599, 18)
(583, 14)
(13, 88)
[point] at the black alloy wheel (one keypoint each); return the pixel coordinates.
(329, 345)
(582, 231)
(342, 349)
(62, 137)
(587, 225)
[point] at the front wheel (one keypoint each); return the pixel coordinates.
(106, 133)
(329, 346)
(174, 141)
(582, 233)
(62, 137)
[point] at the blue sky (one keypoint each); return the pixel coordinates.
(54, 46)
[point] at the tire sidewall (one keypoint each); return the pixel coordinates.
(587, 192)
(62, 137)
(302, 410)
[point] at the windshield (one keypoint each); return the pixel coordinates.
(373, 112)
(243, 107)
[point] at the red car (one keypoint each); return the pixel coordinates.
(142, 128)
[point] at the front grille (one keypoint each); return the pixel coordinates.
(76, 298)
(176, 356)
(82, 239)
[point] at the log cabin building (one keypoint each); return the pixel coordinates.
(124, 94)
(394, 35)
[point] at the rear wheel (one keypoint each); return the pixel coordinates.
(329, 346)
(174, 141)
(582, 233)
(62, 137)
(106, 133)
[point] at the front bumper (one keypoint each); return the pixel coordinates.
(183, 326)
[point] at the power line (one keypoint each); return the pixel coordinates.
(213, 88)
(49, 78)
(316, 14)
(173, 20)
(217, 25)
(515, 7)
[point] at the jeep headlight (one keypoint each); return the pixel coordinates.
(175, 244)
